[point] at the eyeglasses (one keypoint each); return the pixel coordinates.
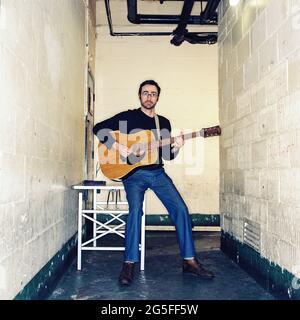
(151, 94)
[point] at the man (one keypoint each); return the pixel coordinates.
(150, 176)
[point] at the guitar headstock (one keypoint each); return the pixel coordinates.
(211, 131)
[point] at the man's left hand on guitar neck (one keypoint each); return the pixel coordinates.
(178, 143)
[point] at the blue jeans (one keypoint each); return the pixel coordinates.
(162, 185)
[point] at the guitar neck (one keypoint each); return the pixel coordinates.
(186, 136)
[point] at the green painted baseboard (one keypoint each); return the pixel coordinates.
(43, 283)
(276, 280)
(205, 220)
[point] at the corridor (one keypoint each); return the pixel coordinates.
(68, 65)
(162, 278)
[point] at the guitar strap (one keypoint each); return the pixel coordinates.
(157, 126)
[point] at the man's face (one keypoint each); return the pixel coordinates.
(149, 96)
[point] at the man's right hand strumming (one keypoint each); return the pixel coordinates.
(123, 150)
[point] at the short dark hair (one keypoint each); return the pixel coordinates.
(151, 82)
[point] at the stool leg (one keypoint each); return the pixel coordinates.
(79, 242)
(143, 238)
(94, 217)
(118, 197)
(108, 198)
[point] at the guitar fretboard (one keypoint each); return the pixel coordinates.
(186, 136)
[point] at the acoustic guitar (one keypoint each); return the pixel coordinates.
(143, 149)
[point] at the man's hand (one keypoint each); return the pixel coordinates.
(178, 143)
(123, 150)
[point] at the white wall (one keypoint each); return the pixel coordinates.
(259, 53)
(188, 76)
(42, 134)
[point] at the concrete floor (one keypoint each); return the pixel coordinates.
(162, 278)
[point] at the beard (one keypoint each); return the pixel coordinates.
(148, 105)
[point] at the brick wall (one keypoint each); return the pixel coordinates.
(42, 133)
(259, 94)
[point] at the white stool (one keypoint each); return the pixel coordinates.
(115, 209)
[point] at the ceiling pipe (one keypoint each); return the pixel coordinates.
(136, 18)
(181, 34)
(210, 38)
(116, 34)
(181, 31)
(203, 39)
(191, 37)
(209, 12)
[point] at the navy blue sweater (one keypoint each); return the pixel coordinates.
(132, 121)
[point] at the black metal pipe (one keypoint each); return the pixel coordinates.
(184, 17)
(132, 14)
(108, 15)
(181, 31)
(196, 39)
(209, 12)
(167, 19)
(112, 33)
(115, 34)
(136, 18)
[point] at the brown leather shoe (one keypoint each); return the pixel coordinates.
(193, 266)
(126, 275)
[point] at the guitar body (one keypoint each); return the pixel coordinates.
(143, 150)
(115, 166)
